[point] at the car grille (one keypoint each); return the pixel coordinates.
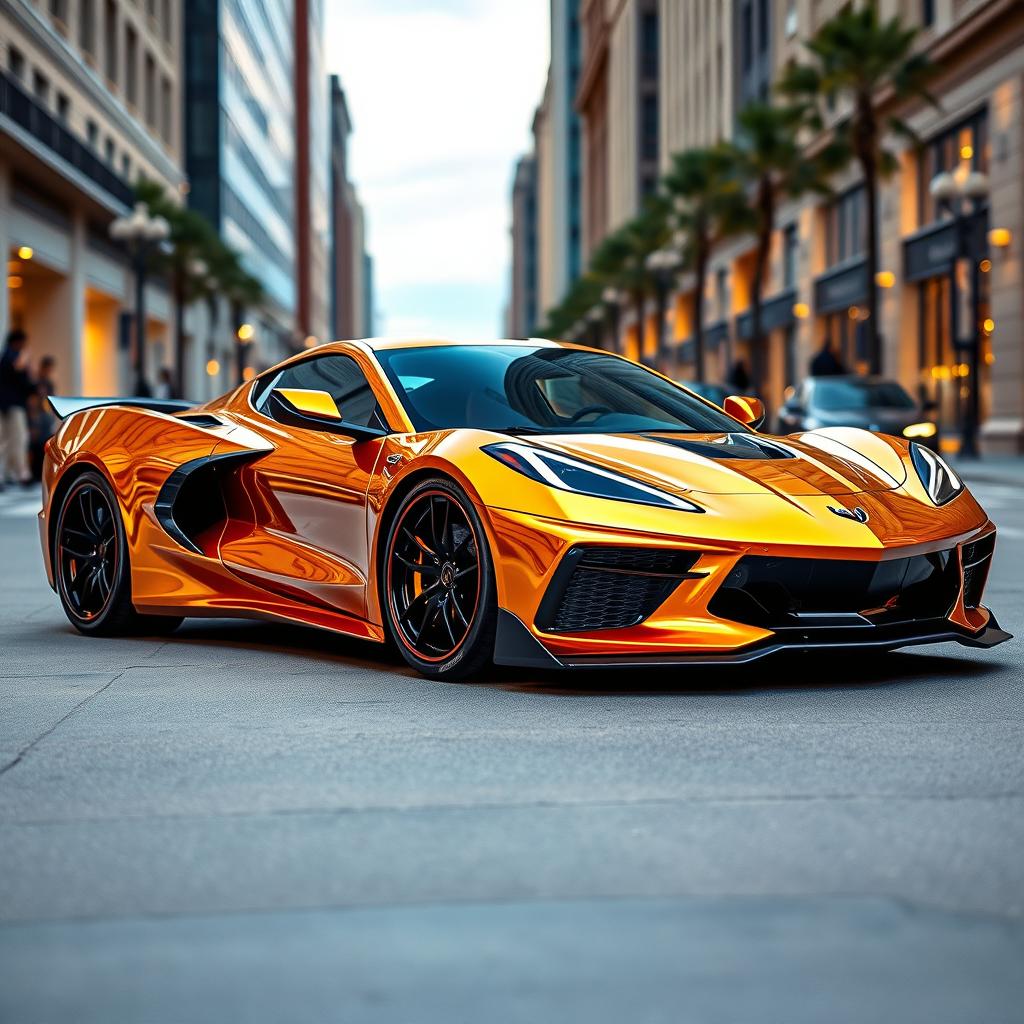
(977, 558)
(596, 588)
(775, 593)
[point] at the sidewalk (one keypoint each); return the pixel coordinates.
(996, 469)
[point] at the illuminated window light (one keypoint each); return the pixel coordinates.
(213, 368)
(14, 281)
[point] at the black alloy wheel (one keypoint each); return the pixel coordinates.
(439, 583)
(88, 550)
(91, 564)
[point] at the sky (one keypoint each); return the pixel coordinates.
(441, 95)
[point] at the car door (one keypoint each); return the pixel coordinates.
(305, 537)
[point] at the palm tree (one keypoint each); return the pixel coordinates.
(198, 261)
(855, 57)
(773, 166)
(709, 204)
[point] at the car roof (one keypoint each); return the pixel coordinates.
(380, 344)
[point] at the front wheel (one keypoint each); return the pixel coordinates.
(91, 565)
(439, 595)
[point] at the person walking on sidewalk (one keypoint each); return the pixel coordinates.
(15, 388)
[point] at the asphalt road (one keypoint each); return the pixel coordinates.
(255, 823)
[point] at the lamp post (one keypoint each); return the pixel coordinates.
(662, 264)
(141, 232)
(954, 195)
(611, 300)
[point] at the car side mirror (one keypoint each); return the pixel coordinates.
(745, 408)
(316, 410)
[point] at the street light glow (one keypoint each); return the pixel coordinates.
(246, 332)
(213, 368)
(14, 281)
(801, 310)
(1000, 238)
(25, 252)
(885, 279)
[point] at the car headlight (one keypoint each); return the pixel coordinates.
(579, 477)
(920, 430)
(941, 483)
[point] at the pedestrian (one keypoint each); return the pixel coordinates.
(826, 363)
(164, 384)
(15, 388)
(739, 378)
(45, 383)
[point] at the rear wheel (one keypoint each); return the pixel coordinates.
(91, 565)
(439, 597)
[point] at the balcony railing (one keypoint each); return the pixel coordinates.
(30, 115)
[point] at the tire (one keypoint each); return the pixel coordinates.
(440, 620)
(91, 565)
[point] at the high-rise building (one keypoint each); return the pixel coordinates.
(522, 313)
(312, 211)
(351, 270)
(618, 99)
(90, 101)
(242, 146)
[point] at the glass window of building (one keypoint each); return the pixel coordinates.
(59, 10)
(790, 243)
(150, 91)
(92, 133)
(87, 26)
(63, 107)
(41, 87)
(16, 62)
(846, 226)
(131, 65)
(110, 40)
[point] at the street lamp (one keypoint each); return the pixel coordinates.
(662, 263)
(953, 195)
(140, 232)
(612, 302)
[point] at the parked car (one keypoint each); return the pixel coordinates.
(871, 403)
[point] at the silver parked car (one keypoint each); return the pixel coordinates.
(883, 406)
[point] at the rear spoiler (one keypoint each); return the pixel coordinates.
(65, 405)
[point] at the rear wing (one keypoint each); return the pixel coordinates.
(65, 405)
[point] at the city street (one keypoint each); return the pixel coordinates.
(251, 822)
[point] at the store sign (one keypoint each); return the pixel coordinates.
(839, 289)
(931, 251)
(776, 312)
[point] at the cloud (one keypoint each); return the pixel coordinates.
(441, 96)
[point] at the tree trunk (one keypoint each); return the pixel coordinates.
(866, 142)
(766, 225)
(179, 331)
(701, 273)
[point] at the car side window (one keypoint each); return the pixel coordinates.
(341, 378)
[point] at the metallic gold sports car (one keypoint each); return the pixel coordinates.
(529, 503)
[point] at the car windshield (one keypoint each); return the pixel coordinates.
(536, 388)
(712, 392)
(835, 395)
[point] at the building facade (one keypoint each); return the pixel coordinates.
(242, 147)
(711, 57)
(90, 101)
(522, 315)
(351, 269)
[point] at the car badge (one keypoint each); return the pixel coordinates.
(857, 514)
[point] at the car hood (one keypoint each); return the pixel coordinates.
(832, 461)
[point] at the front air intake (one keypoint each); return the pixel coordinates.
(598, 588)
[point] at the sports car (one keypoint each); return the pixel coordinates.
(528, 503)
